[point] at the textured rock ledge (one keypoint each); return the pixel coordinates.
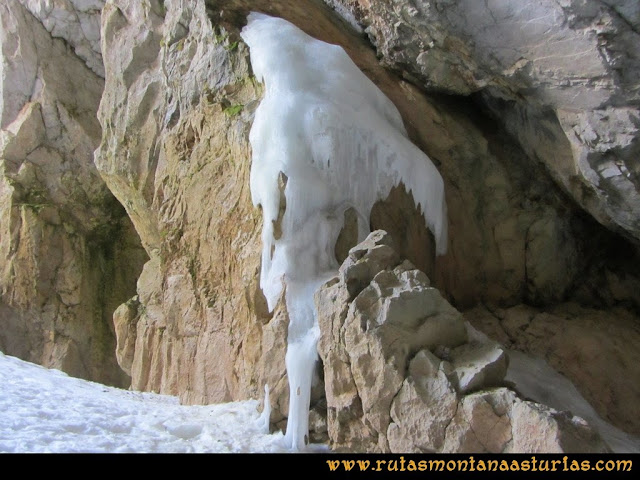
(596, 349)
(176, 114)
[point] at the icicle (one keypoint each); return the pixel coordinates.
(341, 144)
(265, 416)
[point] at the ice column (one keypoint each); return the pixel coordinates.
(340, 143)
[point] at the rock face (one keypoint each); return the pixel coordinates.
(402, 373)
(177, 107)
(68, 253)
(561, 75)
(176, 114)
(514, 235)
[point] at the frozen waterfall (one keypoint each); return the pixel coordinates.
(327, 139)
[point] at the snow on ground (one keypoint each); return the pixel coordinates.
(43, 410)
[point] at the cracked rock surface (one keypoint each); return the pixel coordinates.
(594, 348)
(77, 22)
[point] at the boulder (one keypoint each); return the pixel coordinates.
(497, 421)
(403, 373)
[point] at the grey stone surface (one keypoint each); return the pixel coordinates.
(563, 76)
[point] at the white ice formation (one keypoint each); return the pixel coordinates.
(327, 138)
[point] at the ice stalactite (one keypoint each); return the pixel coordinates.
(327, 139)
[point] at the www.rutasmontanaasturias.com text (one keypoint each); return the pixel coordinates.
(530, 464)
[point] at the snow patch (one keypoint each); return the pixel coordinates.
(536, 380)
(44, 411)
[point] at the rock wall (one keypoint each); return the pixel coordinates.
(177, 107)
(68, 253)
(526, 241)
(176, 115)
(176, 111)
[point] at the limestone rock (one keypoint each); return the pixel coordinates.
(438, 42)
(174, 142)
(482, 423)
(68, 254)
(177, 107)
(402, 373)
(514, 235)
(125, 320)
(423, 408)
(478, 366)
(368, 338)
(175, 137)
(541, 429)
(378, 253)
(516, 426)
